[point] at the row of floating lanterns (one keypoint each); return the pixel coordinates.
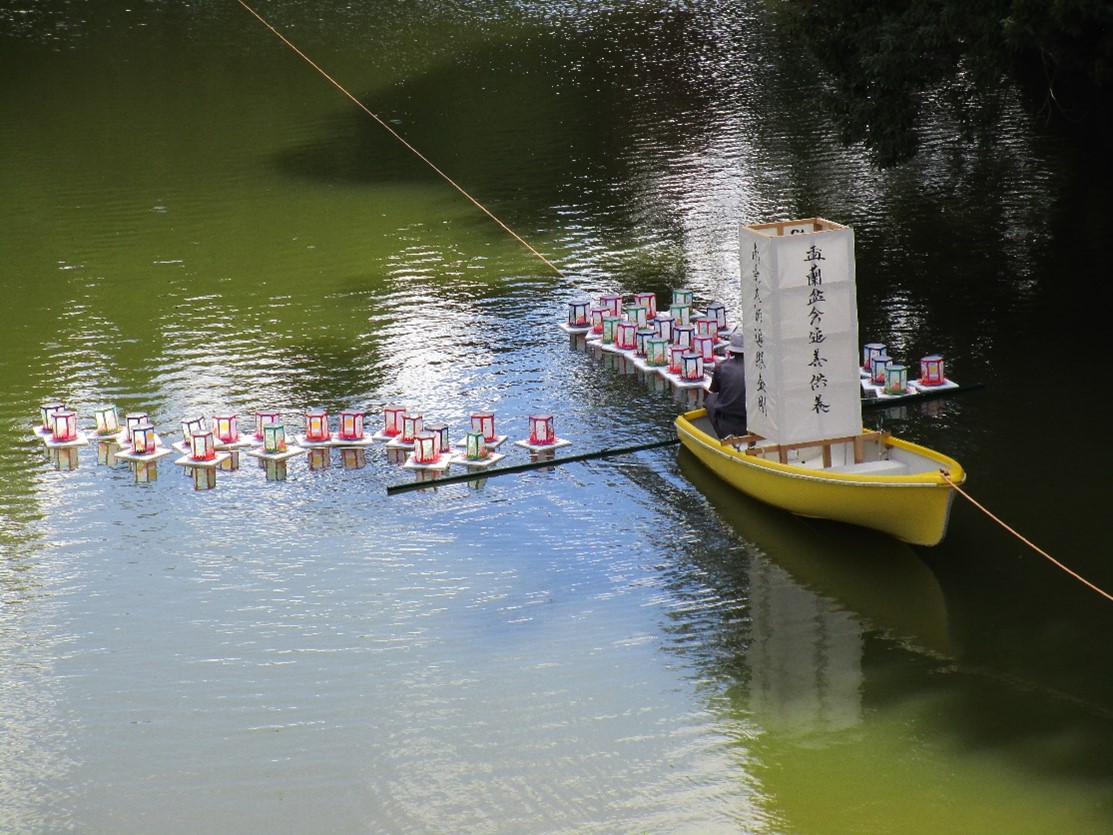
(681, 342)
(202, 443)
(881, 375)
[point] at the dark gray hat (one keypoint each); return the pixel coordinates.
(735, 346)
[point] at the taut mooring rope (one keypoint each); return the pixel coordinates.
(1040, 551)
(400, 138)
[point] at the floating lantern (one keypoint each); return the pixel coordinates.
(226, 428)
(426, 448)
(706, 326)
(108, 420)
(484, 422)
(613, 304)
(704, 345)
(64, 425)
(144, 441)
(718, 312)
(597, 314)
(638, 314)
(682, 335)
(931, 370)
(316, 425)
(46, 411)
(674, 353)
(264, 419)
(626, 336)
(131, 420)
(643, 336)
(663, 325)
(274, 438)
(392, 420)
(896, 379)
(610, 326)
(412, 425)
(648, 301)
(475, 446)
(440, 431)
(202, 446)
(691, 366)
(190, 426)
(877, 369)
(655, 351)
(351, 426)
(541, 429)
(578, 313)
(681, 313)
(869, 351)
(682, 297)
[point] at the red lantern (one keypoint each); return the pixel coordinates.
(192, 425)
(47, 411)
(704, 345)
(541, 429)
(263, 420)
(931, 370)
(316, 425)
(411, 426)
(484, 422)
(648, 301)
(392, 420)
(202, 446)
(65, 425)
(612, 303)
(426, 448)
(597, 314)
(351, 426)
(226, 428)
(626, 336)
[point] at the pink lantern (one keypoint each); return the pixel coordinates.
(704, 345)
(541, 429)
(612, 303)
(132, 420)
(64, 425)
(316, 425)
(674, 353)
(351, 425)
(626, 336)
(192, 425)
(484, 422)
(202, 446)
(144, 441)
(392, 420)
(426, 448)
(264, 419)
(597, 314)
(578, 316)
(412, 426)
(706, 326)
(691, 366)
(648, 301)
(46, 411)
(226, 428)
(931, 370)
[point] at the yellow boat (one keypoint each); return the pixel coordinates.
(872, 479)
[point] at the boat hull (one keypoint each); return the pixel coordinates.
(913, 507)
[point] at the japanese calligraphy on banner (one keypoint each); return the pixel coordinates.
(800, 324)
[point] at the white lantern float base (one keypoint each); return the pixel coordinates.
(289, 452)
(443, 462)
(924, 387)
(305, 443)
(215, 461)
(131, 455)
(494, 443)
(341, 443)
(567, 328)
(872, 391)
(476, 463)
(554, 444)
(80, 439)
(683, 382)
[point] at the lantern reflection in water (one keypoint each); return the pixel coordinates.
(353, 458)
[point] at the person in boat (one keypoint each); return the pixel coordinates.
(726, 400)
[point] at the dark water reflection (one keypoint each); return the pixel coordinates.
(197, 222)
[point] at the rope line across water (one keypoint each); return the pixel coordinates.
(1029, 543)
(400, 138)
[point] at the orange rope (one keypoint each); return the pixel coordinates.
(1041, 552)
(398, 136)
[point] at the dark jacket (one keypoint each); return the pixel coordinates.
(726, 403)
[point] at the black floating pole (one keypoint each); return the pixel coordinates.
(476, 474)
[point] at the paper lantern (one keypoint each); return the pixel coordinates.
(263, 419)
(869, 351)
(440, 431)
(475, 446)
(46, 411)
(877, 369)
(681, 314)
(578, 313)
(718, 312)
(674, 353)
(202, 446)
(626, 336)
(316, 425)
(392, 420)
(682, 335)
(108, 420)
(131, 420)
(597, 314)
(64, 425)
(190, 426)
(484, 422)
(144, 441)
(655, 351)
(691, 365)
(706, 326)
(643, 336)
(274, 438)
(412, 425)
(541, 429)
(663, 326)
(610, 326)
(226, 428)
(351, 425)
(704, 345)
(931, 370)
(896, 379)
(682, 297)
(648, 301)
(426, 448)
(638, 314)
(612, 303)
